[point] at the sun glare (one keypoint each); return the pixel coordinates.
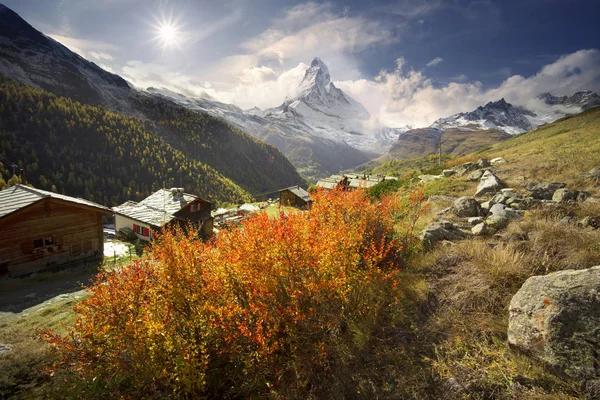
(168, 33)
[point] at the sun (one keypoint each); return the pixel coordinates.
(168, 35)
(167, 32)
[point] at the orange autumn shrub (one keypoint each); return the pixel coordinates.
(275, 306)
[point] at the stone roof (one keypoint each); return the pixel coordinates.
(298, 191)
(19, 196)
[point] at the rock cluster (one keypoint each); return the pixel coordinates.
(504, 204)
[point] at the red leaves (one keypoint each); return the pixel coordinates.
(269, 297)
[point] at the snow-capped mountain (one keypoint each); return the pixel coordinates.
(580, 101)
(322, 130)
(494, 115)
(29, 56)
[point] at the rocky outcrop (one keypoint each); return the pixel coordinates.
(438, 231)
(543, 191)
(563, 195)
(466, 207)
(556, 318)
(488, 184)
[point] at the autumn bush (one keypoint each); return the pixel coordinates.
(282, 307)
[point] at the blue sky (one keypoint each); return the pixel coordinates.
(407, 61)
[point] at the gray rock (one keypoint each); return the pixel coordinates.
(439, 231)
(509, 192)
(464, 168)
(593, 174)
(543, 191)
(489, 183)
(581, 195)
(497, 160)
(497, 221)
(479, 229)
(590, 222)
(467, 207)
(475, 175)
(483, 163)
(562, 195)
(566, 220)
(486, 205)
(500, 216)
(475, 220)
(448, 172)
(527, 203)
(499, 198)
(429, 178)
(556, 318)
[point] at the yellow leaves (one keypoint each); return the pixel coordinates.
(268, 297)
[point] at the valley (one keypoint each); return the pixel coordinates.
(188, 210)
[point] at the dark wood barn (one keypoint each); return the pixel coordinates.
(294, 196)
(40, 230)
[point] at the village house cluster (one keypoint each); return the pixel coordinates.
(41, 230)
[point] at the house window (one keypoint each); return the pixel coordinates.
(195, 207)
(45, 242)
(140, 230)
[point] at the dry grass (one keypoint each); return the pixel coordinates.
(21, 376)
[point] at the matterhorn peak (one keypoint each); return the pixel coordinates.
(317, 76)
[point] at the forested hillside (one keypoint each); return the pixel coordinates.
(256, 166)
(87, 151)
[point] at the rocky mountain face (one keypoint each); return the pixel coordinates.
(494, 115)
(28, 56)
(465, 132)
(581, 101)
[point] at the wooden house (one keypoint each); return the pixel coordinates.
(165, 208)
(40, 230)
(294, 196)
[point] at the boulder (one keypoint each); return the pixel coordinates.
(483, 163)
(448, 172)
(429, 178)
(497, 160)
(479, 229)
(489, 183)
(543, 191)
(500, 216)
(464, 168)
(562, 195)
(475, 175)
(556, 318)
(467, 207)
(439, 231)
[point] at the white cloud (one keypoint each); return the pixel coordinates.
(405, 96)
(94, 49)
(435, 62)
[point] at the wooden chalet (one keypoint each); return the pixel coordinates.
(40, 230)
(164, 208)
(294, 196)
